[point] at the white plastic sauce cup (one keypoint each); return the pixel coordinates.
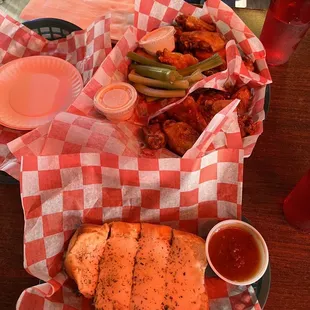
(116, 101)
(259, 241)
(158, 40)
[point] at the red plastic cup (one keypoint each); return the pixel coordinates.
(286, 23)
(297, 205)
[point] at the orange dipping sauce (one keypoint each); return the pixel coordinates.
(235, 253)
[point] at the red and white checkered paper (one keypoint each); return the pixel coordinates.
(152, 14)
(60, 192)
(89, 170)
(68, 185)
(149, 15)
(85, 49)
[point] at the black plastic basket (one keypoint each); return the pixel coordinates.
(51, 28)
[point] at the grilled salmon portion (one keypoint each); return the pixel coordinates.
(116, 267)
(150, 268)
(84, 253)
(186, 266)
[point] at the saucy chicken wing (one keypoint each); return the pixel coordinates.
(244, 94)
(247, 125)
(210, 96)
(191, 23)
(188, 112)
(211, 102)
(154, 137)
(180, 61)
(180, 136)
(202, 54)
(204, 40)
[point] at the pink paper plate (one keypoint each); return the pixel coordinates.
(34, 89)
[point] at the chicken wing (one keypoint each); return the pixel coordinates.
(219, 105)
(191, 23)
(204, 40)
(207, 98)
(154, 137)
(202, 54)
(159, 119)
(211, 102)
(247, 125)
(244, 94)
(180, 61)
(188, 112)
(180, 136)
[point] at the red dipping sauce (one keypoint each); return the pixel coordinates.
(235, 253)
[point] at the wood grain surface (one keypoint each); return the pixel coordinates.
(281, 157)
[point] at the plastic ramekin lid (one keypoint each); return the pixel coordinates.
(115, 98)
(157, 34)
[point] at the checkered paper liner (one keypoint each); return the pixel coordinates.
(114, 68)
(152, 14)
(71, 133)
(60, 192)
(221, 296)
(67, 185)
(85, 49)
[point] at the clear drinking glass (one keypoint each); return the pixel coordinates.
(297, 204)
(286, 23)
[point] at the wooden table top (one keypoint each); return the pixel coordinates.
(281, 157)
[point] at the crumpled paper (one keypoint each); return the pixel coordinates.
(85, 49)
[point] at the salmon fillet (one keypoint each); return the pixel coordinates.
(186, 266)
(151, 261)
(83, 255)
(116, 267)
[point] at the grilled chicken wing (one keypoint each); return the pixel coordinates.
(247, 125)
(154, 136)
(84, 253)
(188, 112)
(180, 136)
(202, 55)
(211, 102)
(191, 23)
(219, 105)
(204, 40)
(159, 119)
(244, 94)
(180, 61)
